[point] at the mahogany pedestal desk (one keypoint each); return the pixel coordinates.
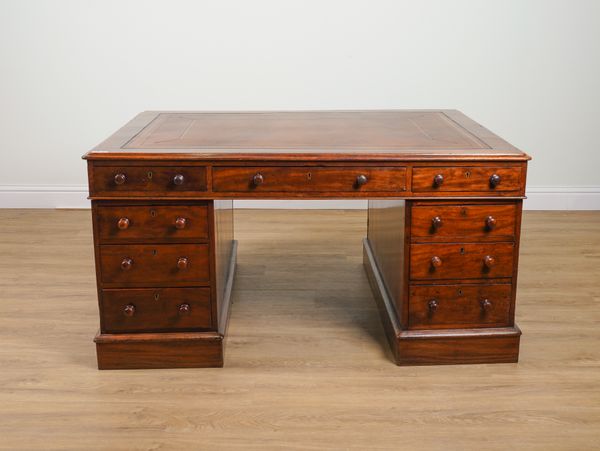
(441, 252)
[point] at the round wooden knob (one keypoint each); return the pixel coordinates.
(178, 180)
(184, 309)
(258, 179)
(436, 222)
(486, 304)
(436, 261)
(490, 223)
(123, 223)
(489, 261)
(182, 263)
(438, 180)
(433, 305)
(180, 223)
(494, 180)
(361, 180)
(129, 310)
(120, 179)
(126, 264)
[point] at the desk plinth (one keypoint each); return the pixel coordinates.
(445, 199)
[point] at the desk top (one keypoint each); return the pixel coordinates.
(393, 135)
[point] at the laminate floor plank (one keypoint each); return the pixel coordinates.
(307, 366)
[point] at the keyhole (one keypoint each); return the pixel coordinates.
(462, 250)
(156, 296)
(149, 174)
(460, 292)
(309, 176)
(154, 252)
(468, 174)
(153, 213)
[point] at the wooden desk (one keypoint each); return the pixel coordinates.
(443, 234)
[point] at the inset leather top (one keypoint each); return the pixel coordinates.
(393, 135)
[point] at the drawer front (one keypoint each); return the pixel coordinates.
(154, 265)
(308, 179)
(147, 180)
(155, 310)
(461, 261)
(480, 179)
(170, 223)
(459, 306)
(475, 222)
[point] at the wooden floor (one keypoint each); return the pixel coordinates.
(307, 365)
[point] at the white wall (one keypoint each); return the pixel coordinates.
(72, 72)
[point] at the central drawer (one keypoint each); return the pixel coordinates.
(461, 261)
(308, 179)
(155, 309)
(154, 264)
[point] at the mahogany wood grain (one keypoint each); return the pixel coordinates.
(165, 350)
(162, 163)
(459, 306)
(467, 179)
(388, 237)
(460, 261)
(447, 222)
(152, 223)
(299, 181)
(515, 274)
(442, 346)
(154, 265)
(470, 348)
(309, 179)
(147, 180)
(156, 309)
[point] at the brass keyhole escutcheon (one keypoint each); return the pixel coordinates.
(309, 176)
(156, 296)
(462, 251)
(460, 292)
(150, 175)
(467, 174)
(153, 213)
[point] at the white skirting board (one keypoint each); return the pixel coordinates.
(74, 196)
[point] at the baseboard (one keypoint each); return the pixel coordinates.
(44, 196)
(75, 196)
(562, 198)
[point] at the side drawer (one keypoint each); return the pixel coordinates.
(123, 181)
(459, 306)
(463, 179)
(154, 264)
(143, 223)
(308, 179)
(461, 261)
(472, 222)
(155, 309)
